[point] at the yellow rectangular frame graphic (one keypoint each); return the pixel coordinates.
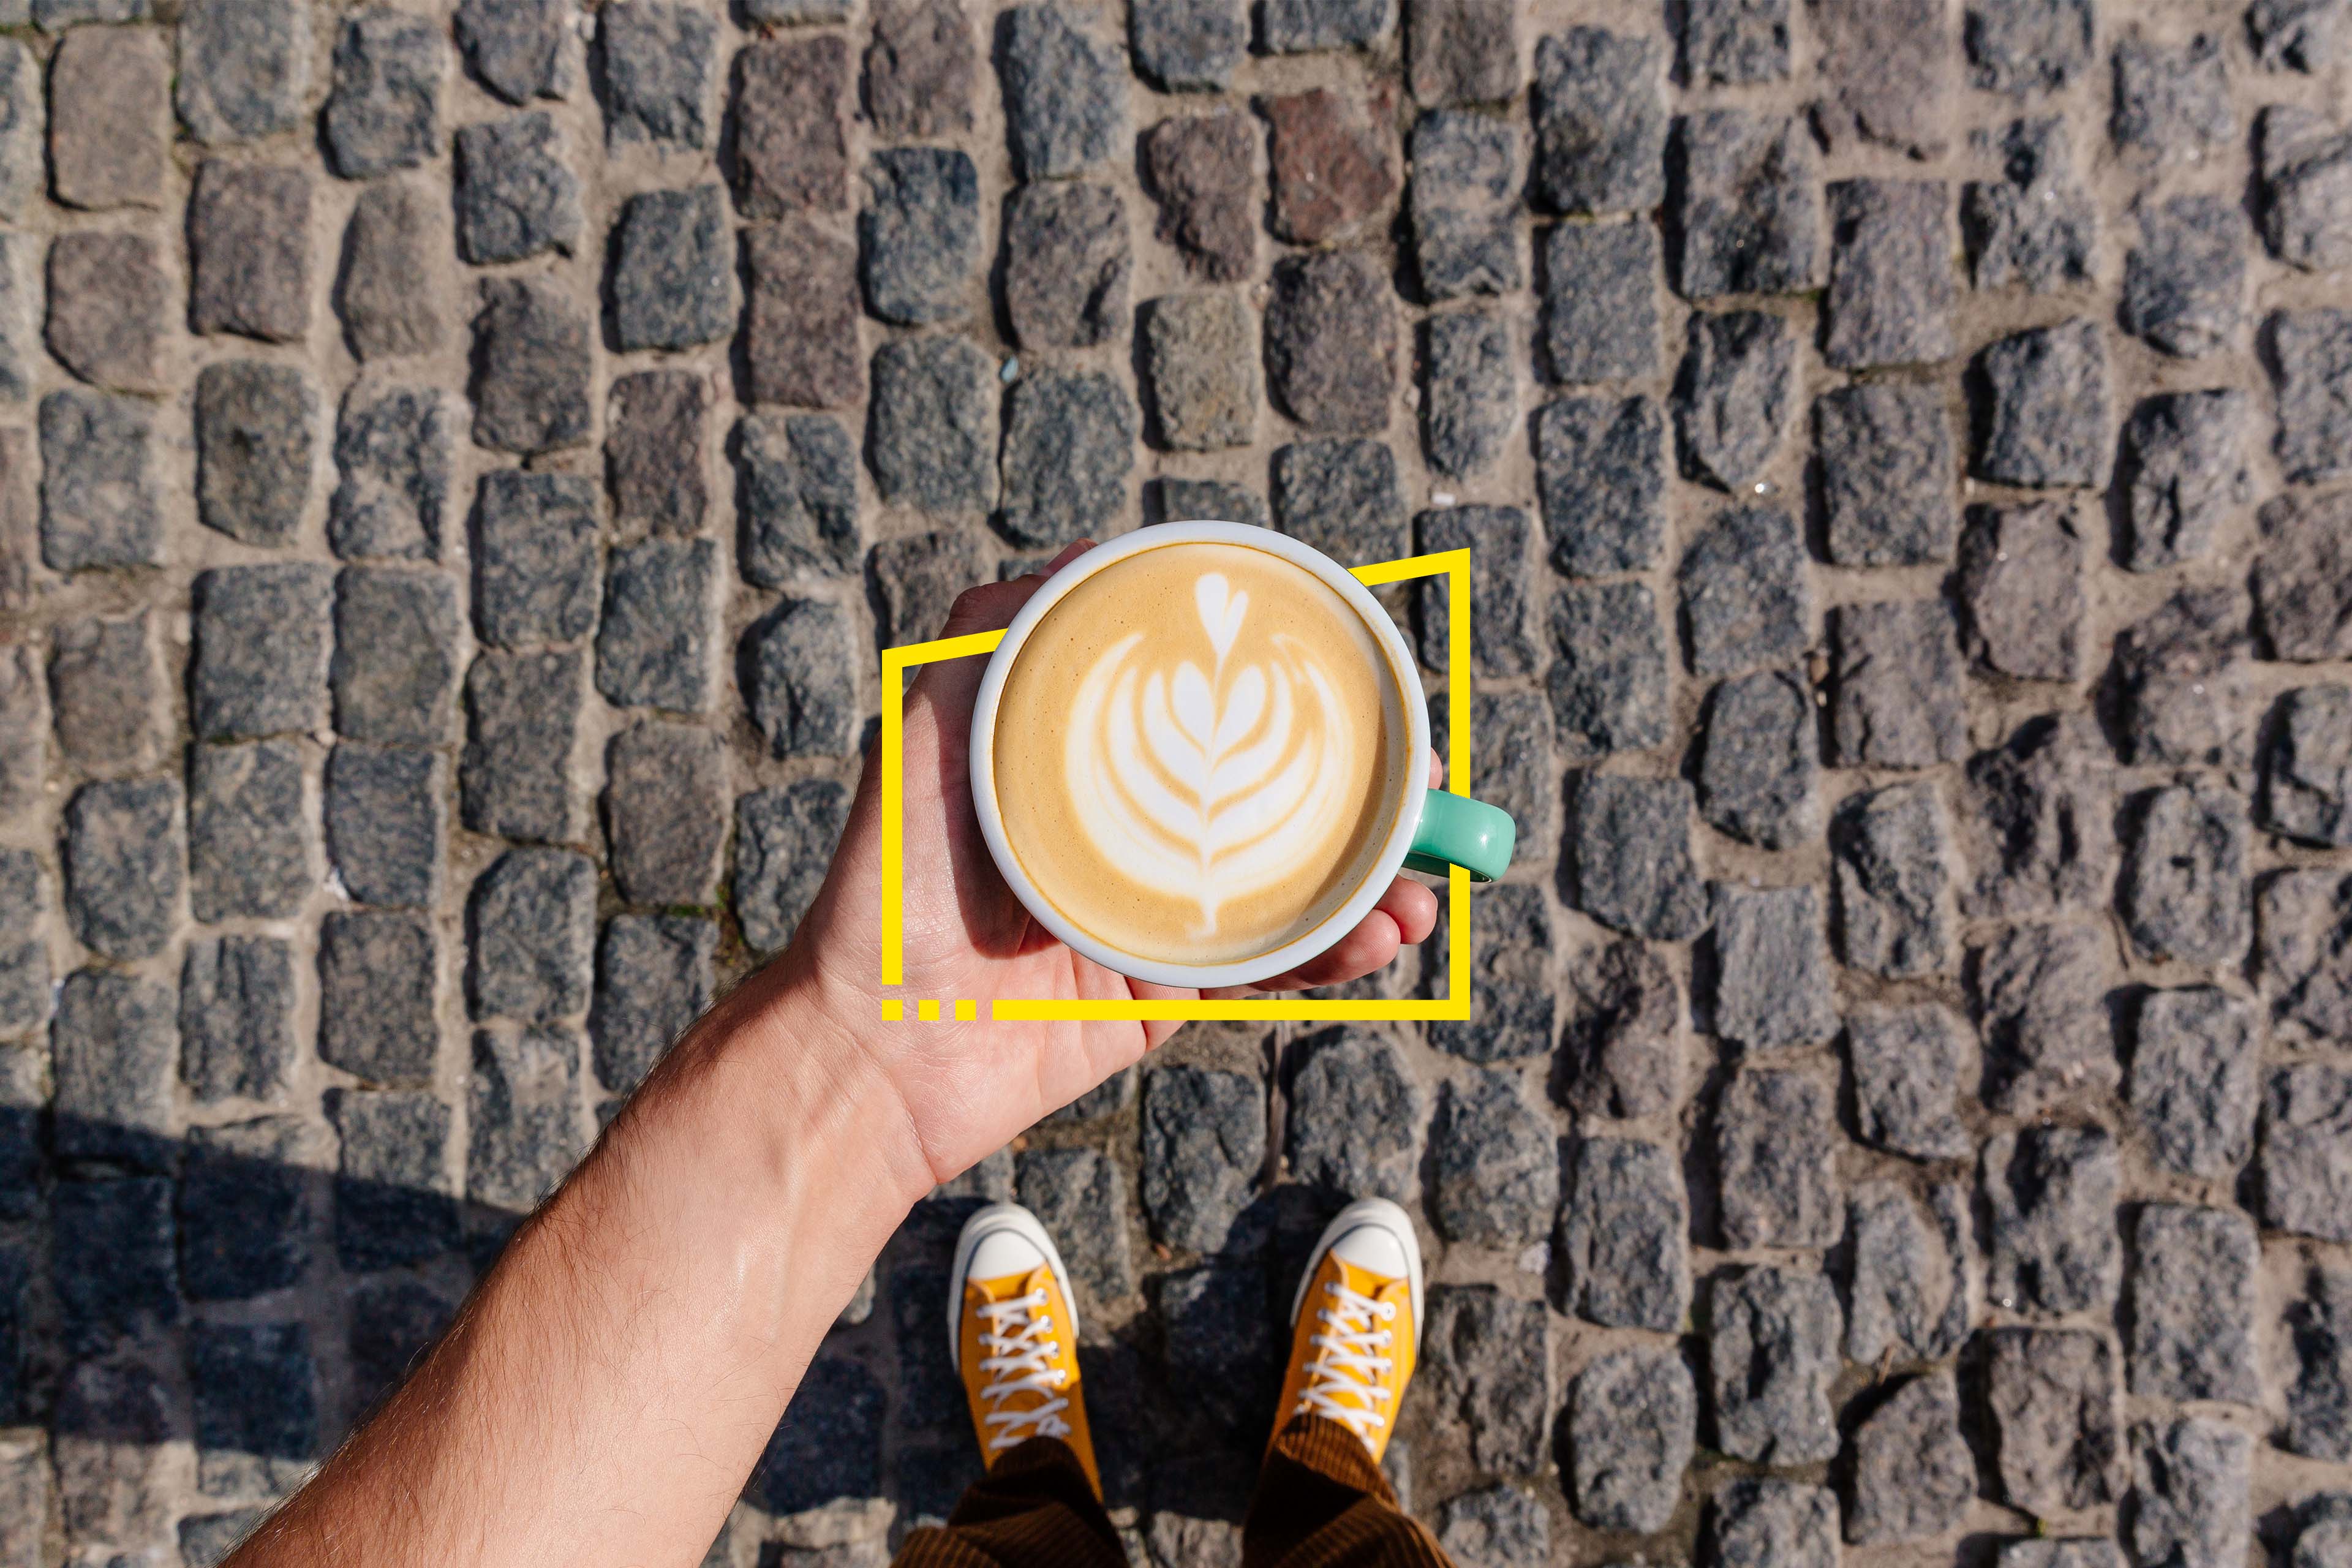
(1455, 1005)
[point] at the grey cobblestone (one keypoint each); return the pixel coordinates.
(1891, 288)
(1772, 1351)
(376, 983)
(1630, 845)
(1631, 1418)
(1511, 985)
(2184, 473)
(1776, 1149)
(673, 269)
(1912, 1264)
(536, 561)
(2036, 226)
(1620, 1056)
(919, 233)
(1747, 204)
(799, 687)
(2184, 283)
(1468, 402)
(392, 245)
(522, 711)
(1490, 1356)
(124, 852)
(1356, 1117)
(1063, 109)
(666, 812)
(1760, 759)
(2052, 1395)
(1892, 880)
(103, 691)
(2183, 890)
(1342, 496)
(1608, 676)
(1496, 1169)
(532, 919)
(659, 70)
(2039, 993)
(256, 445)
(1622, 1235)
(2052, 1191)
(782, 838)
(1910, 1066)
(531, 366)
(2192, 1291)
(394, 1202)
(1069, 445)
(2020, 586)
(653, 979)
(931, 436)
(1065, 265)
(1745, 598)
(393, 453)
(387, 822)
(245, 69)
(654, 450)
(1330, 339)
(800, 317)
(249, 265)
(1736, 41)
(115, 1046)
(1599, 301)
(2190, 1482)
(97, 497)
(653, 640)
(1202, 170)
(1203, 1143)
(1601, 122)
(106, 309)
(248, 852)
(2306, 790)
(1601, 477)
(108, 120)
(1467, 171)
(382, 112)
(393, 674)
(1772, 986)
(1894, 685)
(1913, 1476)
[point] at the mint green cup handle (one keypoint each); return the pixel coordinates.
(1458, 831)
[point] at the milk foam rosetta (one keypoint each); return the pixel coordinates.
(1198, 752)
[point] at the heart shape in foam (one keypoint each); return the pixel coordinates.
(1221, 609)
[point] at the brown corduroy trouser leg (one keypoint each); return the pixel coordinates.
(1321, 1503)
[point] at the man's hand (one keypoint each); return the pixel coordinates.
(607, 1390)
(971, 1088)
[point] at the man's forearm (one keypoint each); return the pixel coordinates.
(607, 1388)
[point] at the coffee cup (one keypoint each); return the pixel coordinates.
(1200, 756)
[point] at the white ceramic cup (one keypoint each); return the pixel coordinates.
(1397, 842)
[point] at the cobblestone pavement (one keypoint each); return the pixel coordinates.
(457, 467)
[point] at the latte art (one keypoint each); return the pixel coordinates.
(1197, 752)
(1199, 780)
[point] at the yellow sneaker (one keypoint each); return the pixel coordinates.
(1013, 1331)
(1355, 1328)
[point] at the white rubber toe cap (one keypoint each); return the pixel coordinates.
(1002, 1239)
(1376, 1248)
(1003, 1252)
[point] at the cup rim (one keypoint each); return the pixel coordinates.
(1320, 938)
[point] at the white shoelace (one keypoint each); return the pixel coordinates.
(1020, 1361)
(1350, 1364)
